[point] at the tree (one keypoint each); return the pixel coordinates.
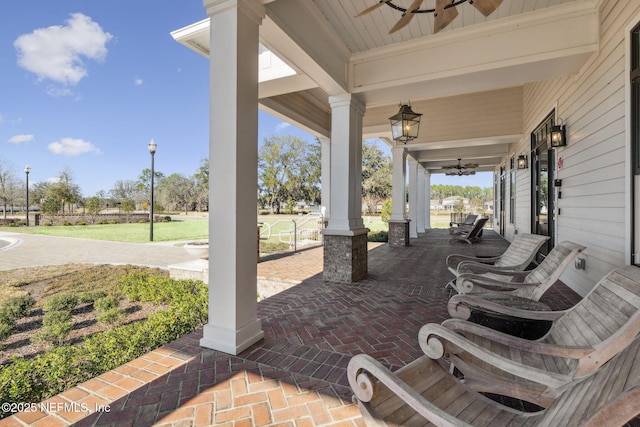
(144, 184)
(9, 187)
(129, 189)
(385, 214)
(127, 206)
(288, 171)
(201, 191)
(66, 190)
(176, 190)
(376, 176)
(93, 206)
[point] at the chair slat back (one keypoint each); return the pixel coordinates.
(604, 312)
(521, 251)
(608, 397)
(549, 271)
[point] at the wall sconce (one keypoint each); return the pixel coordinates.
(523, 161)
(558, 135)
(405, 124)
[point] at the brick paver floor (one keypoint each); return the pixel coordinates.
(296, 375)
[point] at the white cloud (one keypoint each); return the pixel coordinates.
(138, 82)
(57, 92)
(21, 139)
(282, 126)
(56, 52)
(73, 147)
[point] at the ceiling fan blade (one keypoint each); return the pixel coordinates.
(486, 7)
(371, 8)
(443, 17)
(407, 16)
(470, 165)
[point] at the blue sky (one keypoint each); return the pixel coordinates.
(85, 85)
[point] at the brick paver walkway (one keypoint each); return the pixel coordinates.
(296, 376)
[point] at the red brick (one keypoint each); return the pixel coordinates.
(232, 414)
(249, 399)
(204, 415)
(277, 399)
(290, 413)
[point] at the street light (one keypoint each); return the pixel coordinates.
(152, 149)
(27, 169)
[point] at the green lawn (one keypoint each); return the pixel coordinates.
(192, 229)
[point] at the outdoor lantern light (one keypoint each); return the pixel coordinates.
(27, 169)
(558, 135)
(405, 124)
(522, 162)
(152, 149)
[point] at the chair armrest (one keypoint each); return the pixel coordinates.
(461, 306)
(437, 340)
(471, 283)
(363, 367)
(573, 352)
(454, 259)
(508, 271)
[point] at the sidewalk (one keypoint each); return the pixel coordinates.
(31, 250)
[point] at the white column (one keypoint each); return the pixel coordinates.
(413, 197)
(346, 165)
(421, 204)
(427, 199)
(325, 155)
(398, 177)
(233, 146)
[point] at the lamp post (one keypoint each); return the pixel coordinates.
(152, 149)
(27, 169)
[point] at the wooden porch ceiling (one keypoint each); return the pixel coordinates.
(442, 75)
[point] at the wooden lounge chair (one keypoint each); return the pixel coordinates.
(531, 284)
(580, 340)
(466, 225)
(425, 393)
(516, 257)
(473, 235)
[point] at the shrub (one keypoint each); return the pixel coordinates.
(12, 310)
(60, 302)
(56, 325)
(5, 329)
(112, 316)
(270, 247)
(385, 213)
(50, 373)
(105, 303)
(81, 223)
(91, 296)
(113, 221)
(16, 307)
(67, 223)
(380, 236)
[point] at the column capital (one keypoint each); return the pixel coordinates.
(398, 150)
(253, 8)
(347, 99)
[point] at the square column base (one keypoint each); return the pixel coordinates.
(399, 233)
(345, 257)
(221, 338)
